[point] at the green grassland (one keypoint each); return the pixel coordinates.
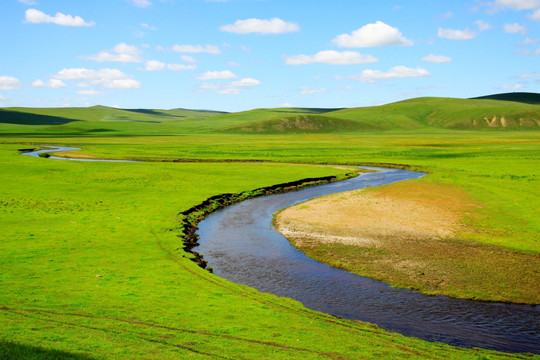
(91, 265)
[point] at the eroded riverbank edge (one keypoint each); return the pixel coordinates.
(190, 218)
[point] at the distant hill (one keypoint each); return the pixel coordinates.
(524, 97)
(302, 123)
(512, 111)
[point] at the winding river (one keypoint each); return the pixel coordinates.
(241, 245)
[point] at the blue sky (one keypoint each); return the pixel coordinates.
(235, 55)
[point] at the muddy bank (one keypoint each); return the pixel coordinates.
(190, 218)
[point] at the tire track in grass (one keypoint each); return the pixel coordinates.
(26, 312)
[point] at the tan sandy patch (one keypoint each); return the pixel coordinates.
(368, 217)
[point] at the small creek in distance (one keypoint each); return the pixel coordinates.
(241, 245)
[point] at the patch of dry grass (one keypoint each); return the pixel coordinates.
(410, 234)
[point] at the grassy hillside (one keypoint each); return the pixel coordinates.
(447, 113)
(413, 114)
(302, 124)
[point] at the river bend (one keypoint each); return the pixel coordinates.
(241, 245)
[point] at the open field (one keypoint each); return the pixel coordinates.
(91, 264)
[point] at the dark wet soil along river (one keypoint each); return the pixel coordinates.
(241, 244)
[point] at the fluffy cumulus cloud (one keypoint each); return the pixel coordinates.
(331, 57)
(210, 49)
(121, 53)
(216, 75)
(272, 26)
(535, 15)
(51, 83)
(154, 65)
(482, 25)
(436, 59)
(377, 34)
(514, 28)
(371, 76)
(9, 83)
(109, 78)
(517, 4)
(37, 17)
(456, 34)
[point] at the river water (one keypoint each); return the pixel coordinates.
(241, 245)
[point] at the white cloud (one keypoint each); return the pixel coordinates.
(331, 57)
(456, 34)
(52, 83)
(512, 87)
(395, 72)
(154, 65)
(232, 88)
(246, 82)
(535, 15)
(89, 92)
(214, 75)
(37, 17)
(188, 59)
(121, 53)
(514, 28)
(210, 49)
(9, 83)
(109, 78)
(179, 67)
(306, 90)
(482, 25)
(437, 59)
(140, 3)
(272, 26)
(517, 4)
(377, 34)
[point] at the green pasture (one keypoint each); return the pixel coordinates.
(91, 265)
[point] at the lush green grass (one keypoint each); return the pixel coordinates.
(65, 223)
(91, 264)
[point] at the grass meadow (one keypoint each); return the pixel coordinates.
(92, 265)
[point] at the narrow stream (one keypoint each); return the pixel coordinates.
(241, 244)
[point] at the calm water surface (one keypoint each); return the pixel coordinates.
(241, 244)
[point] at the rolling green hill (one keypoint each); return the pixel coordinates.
(514, 111)
(511, 112)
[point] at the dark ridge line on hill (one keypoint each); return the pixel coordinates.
(521, 97)
(190, 218)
